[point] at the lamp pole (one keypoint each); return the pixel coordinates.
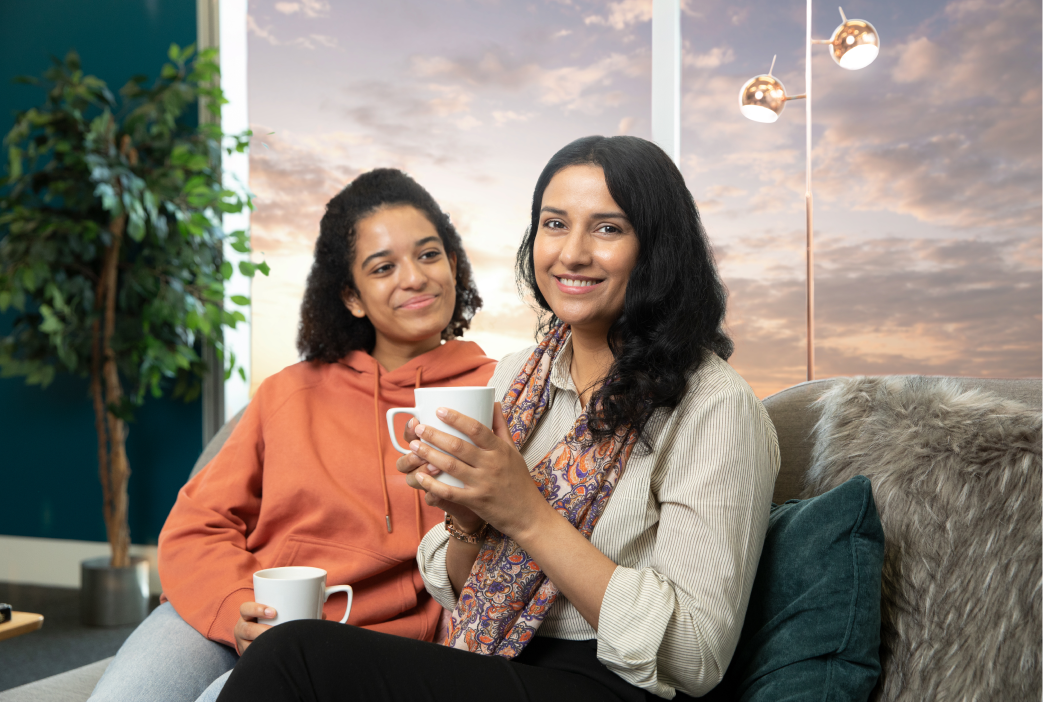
(854, 45)
(809, 253)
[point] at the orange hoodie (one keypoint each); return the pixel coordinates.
(314, 442)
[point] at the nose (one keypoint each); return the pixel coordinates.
(575, 251)
(412, 276)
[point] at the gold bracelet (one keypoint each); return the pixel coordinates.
(460, 535)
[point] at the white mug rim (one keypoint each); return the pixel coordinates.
(455, 388)
(300, 573)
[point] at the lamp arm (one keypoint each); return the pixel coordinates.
(795, 97)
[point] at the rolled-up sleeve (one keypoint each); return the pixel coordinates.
(430, 558)
(674, 624)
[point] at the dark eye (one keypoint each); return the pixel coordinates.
(430, 255)
(554, 224)
(382, 269)
(608, 229)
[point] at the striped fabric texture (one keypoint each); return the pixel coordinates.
(685, 525)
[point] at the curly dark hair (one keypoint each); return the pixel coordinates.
(674, 306)
(328, 331)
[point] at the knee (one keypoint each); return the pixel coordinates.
(283, 639)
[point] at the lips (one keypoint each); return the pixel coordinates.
(576, 285)
(417, 302)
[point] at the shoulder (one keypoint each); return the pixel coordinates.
(716, 391)
(276, 389)
(508, 368)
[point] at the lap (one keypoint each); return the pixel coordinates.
(319, 661)
(164, 660)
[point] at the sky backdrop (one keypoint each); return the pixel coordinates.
(927, 164)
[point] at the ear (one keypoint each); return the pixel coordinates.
(452, 263)
(352, 302)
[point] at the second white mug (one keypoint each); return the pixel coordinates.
(471, 401)
(295, 592)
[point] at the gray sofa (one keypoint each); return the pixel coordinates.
(792, 410)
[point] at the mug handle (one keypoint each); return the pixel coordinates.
(391, 424)
(341, 588)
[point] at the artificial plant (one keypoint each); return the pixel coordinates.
(111, 246)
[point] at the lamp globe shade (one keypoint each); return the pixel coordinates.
(762, 99)
(855, 44)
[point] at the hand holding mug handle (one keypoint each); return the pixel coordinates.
(391, 424)
(340, 588)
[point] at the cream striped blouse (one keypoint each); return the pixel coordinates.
(685, 526)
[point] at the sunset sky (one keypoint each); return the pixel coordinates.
(927, 175)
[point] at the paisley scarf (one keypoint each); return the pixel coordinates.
(506, 596)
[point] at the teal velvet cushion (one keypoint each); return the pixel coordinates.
(812, 629)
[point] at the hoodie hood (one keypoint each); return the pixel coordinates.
(450, 360)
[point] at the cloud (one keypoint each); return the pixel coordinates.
(717, 56)
(892, 305)
(310, 8)
(625, 125)
(502, 117)
(575, 88)
(293, 181)
(623, 13)
(312, 41)
(955, 141)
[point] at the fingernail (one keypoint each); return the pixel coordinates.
(419, 431)
(269, 613)
(415, 445)
(442, 412)
(420, 478)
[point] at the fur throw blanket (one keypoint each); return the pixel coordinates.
(956, 479)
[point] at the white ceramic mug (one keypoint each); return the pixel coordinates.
(471, 401)
(295, 592)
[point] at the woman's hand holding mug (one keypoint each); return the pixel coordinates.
(497, 488)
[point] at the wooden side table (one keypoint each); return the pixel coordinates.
(21, 623)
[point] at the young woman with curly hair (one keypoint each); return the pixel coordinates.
(308, 475)
(606, 538)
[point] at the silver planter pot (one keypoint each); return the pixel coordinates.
(113, 596)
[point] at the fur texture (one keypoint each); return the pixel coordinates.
(956, 478)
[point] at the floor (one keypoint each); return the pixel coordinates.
(61, 644)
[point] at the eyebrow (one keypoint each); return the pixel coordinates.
(387, 252)
(596, 215)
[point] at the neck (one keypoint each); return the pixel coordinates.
(591, 360)
(392, 353)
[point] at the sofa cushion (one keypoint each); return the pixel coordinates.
(794, 412)
(71, 686)
(812, 629)
(956, 474)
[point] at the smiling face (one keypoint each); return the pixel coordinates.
(584, 250)
(405, 283)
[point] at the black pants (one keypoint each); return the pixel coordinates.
(319, 661)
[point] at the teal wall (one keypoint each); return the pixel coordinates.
(48, 448)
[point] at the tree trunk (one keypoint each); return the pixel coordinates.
(119, 466)
(98, 395)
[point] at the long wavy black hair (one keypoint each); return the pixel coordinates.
(674, 306)
(328, 331)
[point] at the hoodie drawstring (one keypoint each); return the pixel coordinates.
(416, 493)
(380, 445)
(380, 454)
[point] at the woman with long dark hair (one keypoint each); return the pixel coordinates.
(308, 478)
(605, 541)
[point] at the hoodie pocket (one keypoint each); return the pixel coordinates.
(382, 587)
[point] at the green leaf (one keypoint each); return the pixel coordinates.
(240, 299)
(242, 373)
(14, 155)
(263, 267)
(247, 268)
(169, 71)
(226, 270)
(174, 52)
(5, 300)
